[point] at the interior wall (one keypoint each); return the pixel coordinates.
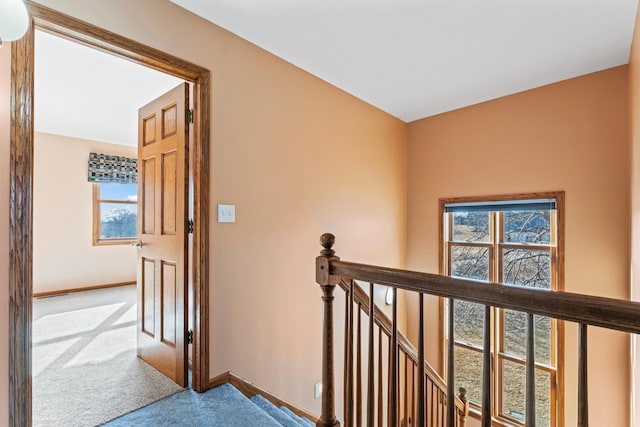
(64, 256)
(634, 136)
(5, 89)
(570, 136)
(297, 157)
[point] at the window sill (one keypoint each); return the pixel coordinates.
(497, 422)
(114, 242)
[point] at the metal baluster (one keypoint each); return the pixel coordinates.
(349, 411)
(421, 382)
(345, 383)
(531, 374)
(406, 389)
(451, 369)
(380, 418)
(486, 369)
(393, 362)
(359, 370)
(370, 377)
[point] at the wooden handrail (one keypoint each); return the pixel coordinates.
(611, 313)
(585, 310)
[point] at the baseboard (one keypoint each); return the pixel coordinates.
(87, 288)
(249, 389)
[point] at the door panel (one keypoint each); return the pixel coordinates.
(169, 303)
(148, 297)
(162, 274)
(148, 211)
(169, 169)
(149, 129)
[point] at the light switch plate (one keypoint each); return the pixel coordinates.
(226, 213)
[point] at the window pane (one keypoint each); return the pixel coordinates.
(468, 324)
(513, 389)
(118, 220)
(115, 191)
(515, 335)
(527, 226)
(468, 368)
(543, 398)
(470, 262)
(514, 393)
(471, 226)
(525, 267)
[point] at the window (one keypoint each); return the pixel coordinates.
(513, 242)
(115, 213)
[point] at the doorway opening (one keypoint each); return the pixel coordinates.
(21, 195)
(85, 367)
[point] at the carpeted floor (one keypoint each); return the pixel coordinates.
(223, 406)
(85, 369)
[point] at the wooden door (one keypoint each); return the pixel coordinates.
(162, 206)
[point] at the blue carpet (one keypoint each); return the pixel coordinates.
(222, 406)
(276, 413)
(303, 421)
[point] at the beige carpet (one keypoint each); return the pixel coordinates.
(85, 369)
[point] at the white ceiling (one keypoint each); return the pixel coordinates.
(417, 58)
(85, 93)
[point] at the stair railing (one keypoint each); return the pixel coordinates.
(431, 402)
(380, 338)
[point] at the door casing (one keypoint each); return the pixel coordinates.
(21, 191)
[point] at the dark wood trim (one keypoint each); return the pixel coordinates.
(66, 26)
(328, 283)
(610, 313)
(583, 377)
(201, 193)
(249, 389)
(21, 198)
(503, 197)
(21, 230)
(86, 288)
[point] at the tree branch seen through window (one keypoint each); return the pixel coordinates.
(115, 212)
(515, 247)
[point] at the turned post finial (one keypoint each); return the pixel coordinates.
(327, 240)
(327, 283)
(463, 394)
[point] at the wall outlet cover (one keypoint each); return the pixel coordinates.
(317, 391)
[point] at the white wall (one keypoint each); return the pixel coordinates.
(63, 253)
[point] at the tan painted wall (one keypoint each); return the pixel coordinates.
(63, 253)
(634, 137)
(5, 88)
(298, 158)
(569, 136)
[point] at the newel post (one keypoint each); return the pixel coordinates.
(465, 410)
(327, 283)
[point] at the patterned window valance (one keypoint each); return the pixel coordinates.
(104, 168)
